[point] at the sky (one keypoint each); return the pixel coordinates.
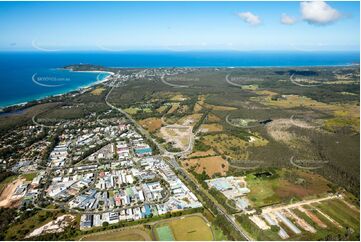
(180, 26)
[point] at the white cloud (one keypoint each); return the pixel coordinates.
(319, 12)
(288, 20)
(250, 18)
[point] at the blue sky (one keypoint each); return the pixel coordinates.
(57, 26)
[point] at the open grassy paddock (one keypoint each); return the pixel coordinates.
(189, 228)
(284, 185)
(127, 234)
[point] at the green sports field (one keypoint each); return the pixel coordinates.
(164, 233)
(190, 228)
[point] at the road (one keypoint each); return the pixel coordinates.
(174, 164)
(298, 204)
(231, 219)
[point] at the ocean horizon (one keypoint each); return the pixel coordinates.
(21, 71)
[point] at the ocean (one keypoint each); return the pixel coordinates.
(27, 76)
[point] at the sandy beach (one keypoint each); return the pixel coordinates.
(105, 79)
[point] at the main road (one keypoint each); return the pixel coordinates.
(174, 164)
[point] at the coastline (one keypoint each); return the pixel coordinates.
(21, 104)
(66, 92)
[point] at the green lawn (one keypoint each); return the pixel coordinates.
(132, 110)
(341, 213)
(218, 233)
(164, 233)
(189, 228)
(262, 190)
(284, 185)
(29, 176)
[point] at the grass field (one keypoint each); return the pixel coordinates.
(336, 210)
(284, 186)
(218, 234)
(231, 145)
(132, 111)
(164, 233)
(29, 176)
(190, 228)
(174, 107)
(341, 213)
(320, 216)
(132, 234)
(98, 91)
(211, 128)
(162, 108)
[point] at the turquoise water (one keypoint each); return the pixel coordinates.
(26, 76)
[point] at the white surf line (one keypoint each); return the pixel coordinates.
(170, 84)
(232, 83)
(302, 85)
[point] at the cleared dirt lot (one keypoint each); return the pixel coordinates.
(151, 124)
(179, 136)
(211, 128)
(211, 165)
(7, 193)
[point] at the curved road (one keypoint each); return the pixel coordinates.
(174, 164)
